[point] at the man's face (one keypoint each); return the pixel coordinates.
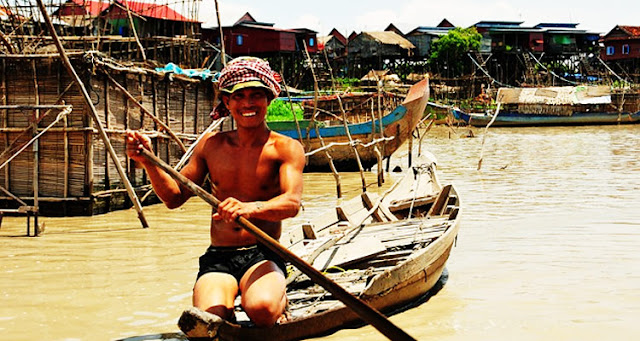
(248, 106)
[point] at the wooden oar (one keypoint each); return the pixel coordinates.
(365, 311)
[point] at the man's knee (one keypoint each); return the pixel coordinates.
(264, 309)
(263, 314)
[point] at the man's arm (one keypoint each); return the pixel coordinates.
(285, 205)
(168, 190)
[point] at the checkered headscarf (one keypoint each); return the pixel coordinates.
(242, 70)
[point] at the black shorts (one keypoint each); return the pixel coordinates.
(236, 260)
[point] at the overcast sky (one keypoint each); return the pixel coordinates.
(375, 15)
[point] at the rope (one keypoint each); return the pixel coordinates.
(351, 143)
(551, 72)
(493, 80)
(615, 74)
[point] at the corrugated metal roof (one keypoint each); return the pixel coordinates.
(558, 25)
(153, 10)
(390, 38)
(488, 23)
(435, 31)
(94, 8)
(631, 30)
(268, 28)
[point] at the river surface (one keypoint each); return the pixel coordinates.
(549, 249)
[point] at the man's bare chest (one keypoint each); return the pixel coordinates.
(246, 178)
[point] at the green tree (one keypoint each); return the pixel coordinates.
(449, 53)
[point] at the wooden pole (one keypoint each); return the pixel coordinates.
(94, 114)
(5, 121)
(365, 311)
(484, 136)
(336, 175)
(135, 32)
(353, 145)
(36, 151)
(222, 53)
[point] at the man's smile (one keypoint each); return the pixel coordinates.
(249, 114)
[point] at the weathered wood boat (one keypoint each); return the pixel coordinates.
(389, 250)
(327, 135)
(580, 105)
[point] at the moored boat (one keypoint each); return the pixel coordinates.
(327, 133)
(388, 250)
(558, 106)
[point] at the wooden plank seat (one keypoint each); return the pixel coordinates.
(354, 212)
(382, 213)
(441, 202)
(398, 205)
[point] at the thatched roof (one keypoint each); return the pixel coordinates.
(557, 95)
(374, 75)
(390, 38)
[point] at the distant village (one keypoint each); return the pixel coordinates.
(508, 54)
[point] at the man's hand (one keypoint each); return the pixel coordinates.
(135, 142)
(231, 208)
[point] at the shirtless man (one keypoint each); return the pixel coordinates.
(258, 175)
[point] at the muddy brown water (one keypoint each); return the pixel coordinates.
(547, 250)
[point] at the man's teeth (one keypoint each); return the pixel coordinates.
(249, 114)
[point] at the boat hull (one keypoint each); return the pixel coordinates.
(515, 119)
(397, 296)
(331, 143)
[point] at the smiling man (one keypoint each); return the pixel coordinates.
(257, 174)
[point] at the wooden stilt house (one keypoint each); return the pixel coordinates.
(67, 169)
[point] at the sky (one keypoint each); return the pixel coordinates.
(375, 15)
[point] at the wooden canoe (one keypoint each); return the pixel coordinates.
(397, 126)
(388, 250)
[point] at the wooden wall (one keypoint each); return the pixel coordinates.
(74, 172)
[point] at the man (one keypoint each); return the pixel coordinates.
(256, 174)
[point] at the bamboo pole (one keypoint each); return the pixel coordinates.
(94, 114)
(35, 138)
(224, 55)
(484, 136)
(65, 191)
(5, 123)
(107, 112)
(6, 42)
(196, 109)
(295, 119)
(141, 89)
(36, 150)
(184, 109)
(426, 130)
(382, 147)
(353, 146)
(135, 32)
(336, 175)
(5, 191)
(376, 150)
